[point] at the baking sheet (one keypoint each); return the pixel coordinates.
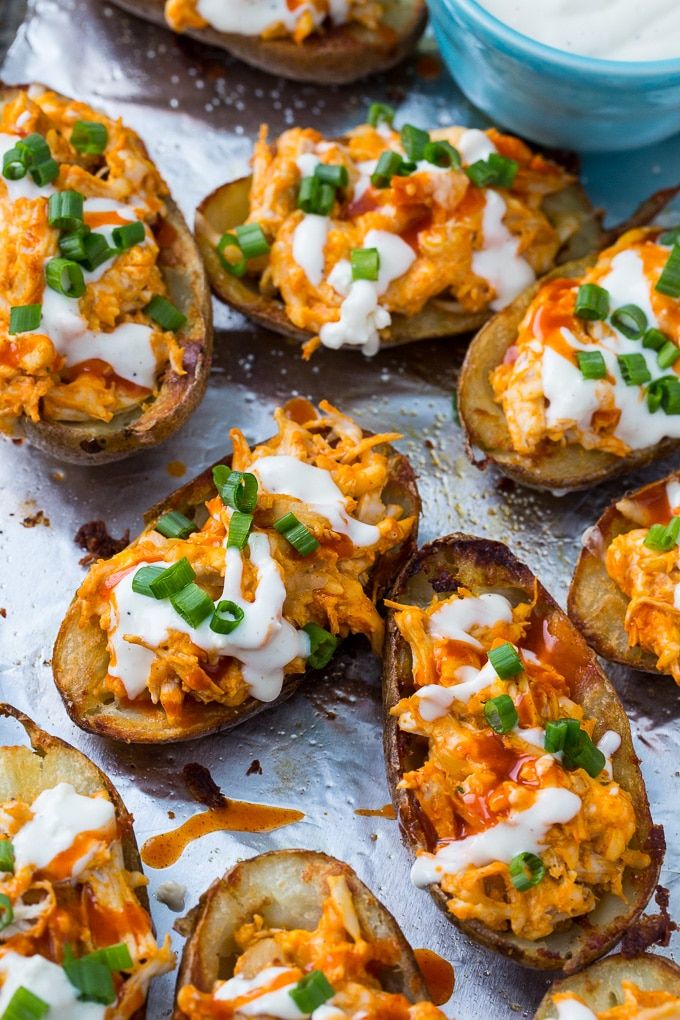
(321, 752)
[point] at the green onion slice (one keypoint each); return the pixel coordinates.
(226, 617)
(66, 277)
(193, 604)
(165, 313)
(238, 489)
(297, 534)
(326, 199)
(669, 237)
(629, 320)
(6, 912)
(141, 582)
(668, 355)
(6, 855)
(251, 239)
(14, 165)
(526, 871)
(128, 235)
(34, 149)
(505, 661)
(311, 991)
(24, 1005)
(91, 977)
(592, 302)
(175, 525)
(669, 281)
(116, 957)
(89, 137)
(45, 173)
(72, 246)
(65, 210)
(634, 371)
(231, 241)
(664, 393)
(501, 714)
(23, 318)
(380, 113)
(654, 339)
(663, 537)
(414, 141)
(334, 174)
(561, 734)
(322, 645)
(442, 154)
(592, 364)
(172, 579)
(97, 251)
(584, 755)
(240, 526)
(496, 171)
(365, 263)
(315, 196)
(388, 166)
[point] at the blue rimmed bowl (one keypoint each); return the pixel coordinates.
(554, 97)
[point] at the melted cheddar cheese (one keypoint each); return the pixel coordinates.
(476, 784)
(59, 371)
(637, 1004)
(349, 958)
(299, 18)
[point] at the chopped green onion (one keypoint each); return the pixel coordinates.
(23, 318)
(173, 579)
(505, 661)
(654, 339)
(634, 371)
(163, 312)
(6, 856)
(442, 154)
(365, 263)
(592, 302)
(388, 166)
(24, 1005)
(322, 645)
(251, 240)
(239, 529)
(665, 393)
(414, 141)
(662, 538)
(629, 320)
(175, 525)
(45, 173)
(116, 957)
(128, 235)
(297, 534)
(326, 199)
(668, 355)
(669, 237)
(141, 582)
(6, 912)
(91, 977)
(65, 210)
(380, 113)
(34, 149)
(561, 734)
(97, 251)
(332, 173)
(497, 171)
(238, 489)
(526, 871)
(14, 165)
(591, 364)
(65, 277)
(311, 992)
(235, 268)
(316, 196)
(89, 137)
(669, 281)
(584, 755)
(193, 604)
(72, 246)
(501, 714)
(226, 617)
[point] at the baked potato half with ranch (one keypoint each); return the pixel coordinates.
(510, 761)
(388, 236)
(623, 595)
(576, 381)
(75, 923)
(276, 553)
(324, 42)
(105, 325)
(618, 988)
(300, 924)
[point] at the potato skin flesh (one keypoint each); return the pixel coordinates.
(597, 984)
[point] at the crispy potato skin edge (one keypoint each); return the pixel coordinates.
(593, 984)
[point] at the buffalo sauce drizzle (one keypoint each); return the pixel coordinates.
(438, 975)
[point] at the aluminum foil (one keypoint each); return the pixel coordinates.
(321, 752)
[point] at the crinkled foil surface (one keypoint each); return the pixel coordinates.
(321, 752)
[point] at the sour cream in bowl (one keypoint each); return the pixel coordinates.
(588, 76)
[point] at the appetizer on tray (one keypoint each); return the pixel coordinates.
(323, 41)
(301, 936)
(625, 593)
(242, 581)
(105, 331)
(642, 987)
(76, 938)
(578, 380)
(510, 760)
(387, 236)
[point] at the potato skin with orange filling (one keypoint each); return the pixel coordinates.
(600, 985)
(481, 565)
(288, 888)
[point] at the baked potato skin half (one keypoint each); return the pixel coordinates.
(338, 56)
(287, 888)
(227, 207)
(97, 442)
(595, 602)
(600, 985)
(482, 565)
(80, 657)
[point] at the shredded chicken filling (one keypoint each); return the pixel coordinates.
(637, 1004)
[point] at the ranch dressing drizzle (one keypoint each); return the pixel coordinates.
(457, 617)
(498, 261)
(572, 1009)
(275, 1003)
(256, 16)
(49, 982)
(521, 831)
(609, 743)
(309, 240)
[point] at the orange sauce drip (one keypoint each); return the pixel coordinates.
(95, 366)
(233, 816)
(110, 218)
(176, 468)
(438, 975)
(61, 866)
(553, 642)
(386, 811)
(654, 502)
(411, 233)
(109, 926)
(367, 203)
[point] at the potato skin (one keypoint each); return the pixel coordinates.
(80, 658)
(483, 565)
(227, 207)
(337, 57)
(595, 603)
(600, 985)
(178, 396)
(288, 888)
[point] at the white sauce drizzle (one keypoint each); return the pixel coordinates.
(277, 1003)
(609, 743)
(309, 240)
(49, 982)
(256, 16)
(572, 1009)
(474, 145)
(457, 617)
(673, 494)
(498, 261)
